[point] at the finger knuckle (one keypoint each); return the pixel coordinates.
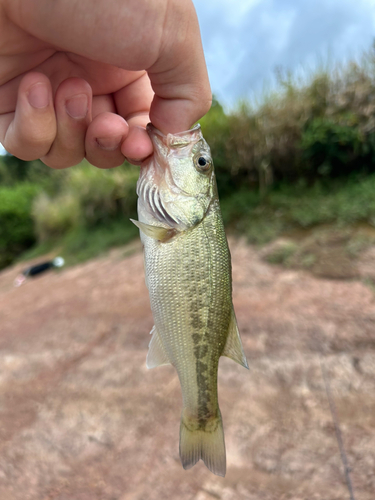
(104, 162)
(59, 162)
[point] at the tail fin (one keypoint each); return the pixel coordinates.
(207, 444)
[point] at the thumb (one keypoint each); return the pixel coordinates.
(179, 76)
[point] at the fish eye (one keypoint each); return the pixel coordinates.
(203, 163)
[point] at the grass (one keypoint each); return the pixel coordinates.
(16, 224)
(82, 244)
(340, 203)
(87, 216)
(282, 254)
(286, 210)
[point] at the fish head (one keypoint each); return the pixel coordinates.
(177, 183)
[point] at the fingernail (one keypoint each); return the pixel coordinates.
(77, 106)
(109, 143)
(38, 95)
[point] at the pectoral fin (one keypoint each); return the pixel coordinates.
(158, 233)
(156, 355)
(233, 348)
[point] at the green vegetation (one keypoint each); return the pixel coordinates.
(319, 128)
(16, 227)
(89, 214)
(80, 213)
(303, 155)
(82, 243)
(340, 202)
(88, 198)
(282, 253)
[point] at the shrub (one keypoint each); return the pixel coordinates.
(14, 171)
(16, 224)
(55, 217)
(318, 125)
(331, 148)
(88, 198)
(103, 194)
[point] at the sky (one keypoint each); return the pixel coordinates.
(245, 41)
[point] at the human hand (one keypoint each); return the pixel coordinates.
(82, 78)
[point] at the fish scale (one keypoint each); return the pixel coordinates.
(188, 275)
(186, 304)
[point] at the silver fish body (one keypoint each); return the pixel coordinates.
(188, 275)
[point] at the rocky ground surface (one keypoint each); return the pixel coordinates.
(81, 418)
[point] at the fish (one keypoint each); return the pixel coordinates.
(188, 276)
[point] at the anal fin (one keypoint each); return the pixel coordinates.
(156, 355)
(233, 348)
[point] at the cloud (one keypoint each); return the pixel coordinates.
(245, 40)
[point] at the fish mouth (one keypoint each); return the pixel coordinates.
(165, 142)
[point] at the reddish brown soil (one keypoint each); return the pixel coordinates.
(81, 418)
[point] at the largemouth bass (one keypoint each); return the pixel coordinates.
(188, 275)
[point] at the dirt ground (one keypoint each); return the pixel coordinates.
(81, 418)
